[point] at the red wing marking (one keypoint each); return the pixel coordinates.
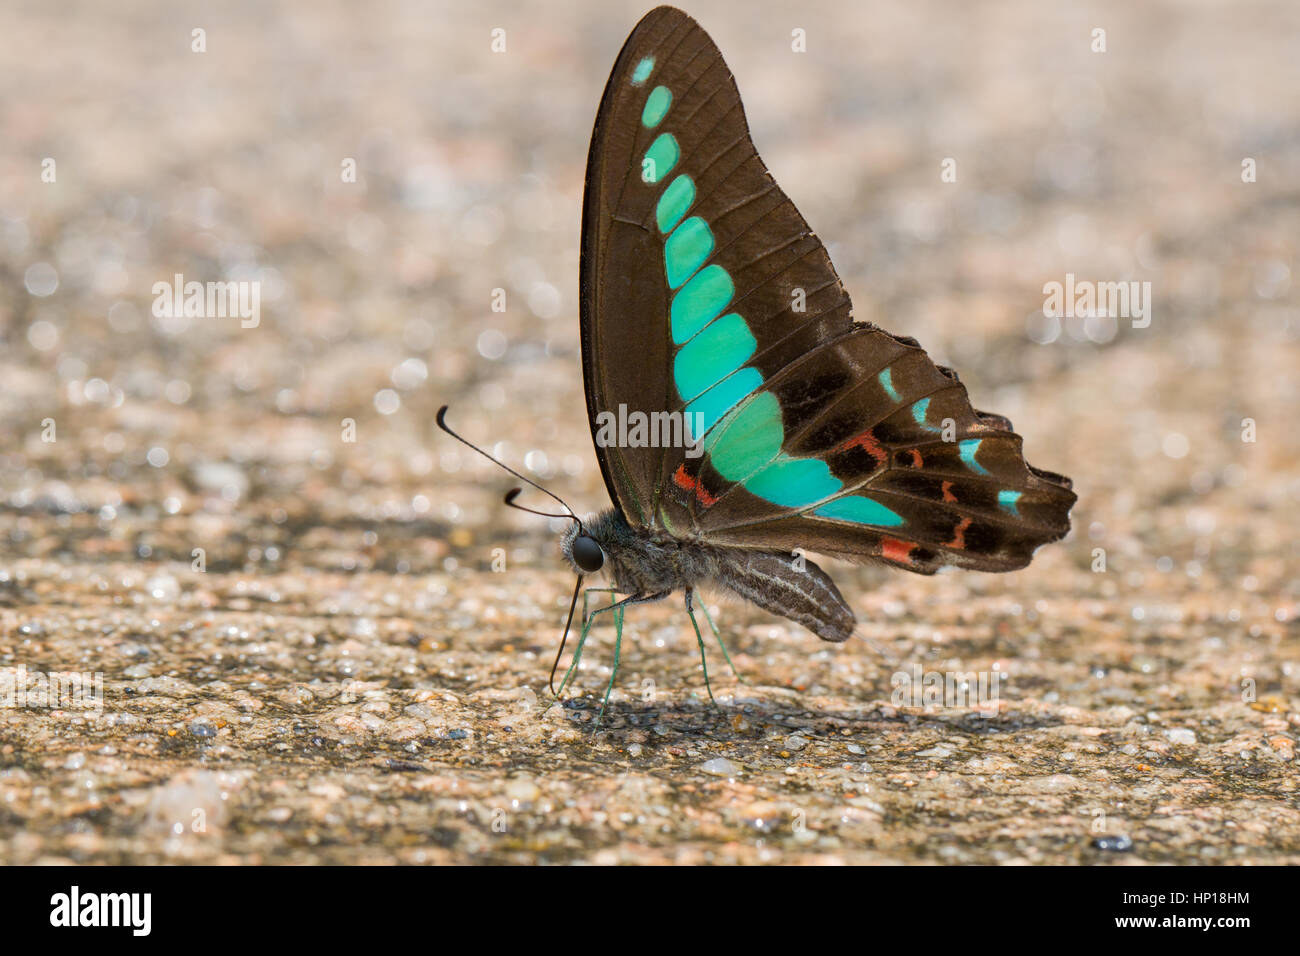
(684, 481)
(894, 550)
(959, 533)
(867, 442)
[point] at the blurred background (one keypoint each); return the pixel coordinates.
(130, 155)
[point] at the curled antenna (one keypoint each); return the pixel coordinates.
(514, 493)
(510, 496)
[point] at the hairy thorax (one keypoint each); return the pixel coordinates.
(645, 562)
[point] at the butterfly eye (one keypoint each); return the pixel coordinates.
(587, 554)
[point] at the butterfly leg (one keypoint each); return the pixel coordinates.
(618, 646)
(709, 617)
(617, 607)
(582, 640)
(699, 639)
(586, 594)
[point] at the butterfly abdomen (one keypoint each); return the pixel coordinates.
(790, 586)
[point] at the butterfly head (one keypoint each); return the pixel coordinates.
(581, 550)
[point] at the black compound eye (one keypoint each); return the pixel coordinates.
(587, 554)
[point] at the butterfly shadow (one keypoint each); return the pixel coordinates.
(754, 714)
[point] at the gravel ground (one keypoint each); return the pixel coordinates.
(319, 649)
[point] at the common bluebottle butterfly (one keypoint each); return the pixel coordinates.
(741, 417)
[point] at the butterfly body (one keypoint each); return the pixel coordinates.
(650, 565)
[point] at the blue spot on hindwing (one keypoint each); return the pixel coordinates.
(749, 438)
(919, 411)
(967, 450)
(860, 510)
(886, 380)
(794, 482)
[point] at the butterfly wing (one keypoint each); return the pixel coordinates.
(708, 301)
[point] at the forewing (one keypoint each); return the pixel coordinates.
(683, 226)
(706, 296)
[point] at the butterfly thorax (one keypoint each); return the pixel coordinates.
(648, 563)
(640, 561)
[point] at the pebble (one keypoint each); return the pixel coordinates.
(522, 789)
(1181, 735)
(720, 767)
(938, 751)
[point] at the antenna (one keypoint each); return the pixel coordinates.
(513, 492)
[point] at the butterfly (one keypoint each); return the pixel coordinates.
(741, 417)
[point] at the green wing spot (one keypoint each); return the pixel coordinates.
(886, 379)
(700, 301)
(713, 404)
(686, 249)
(794, 482)
(1009, 501)
(723, 347)
(660, 158)
(642, 71)
(750, 438)
(677, 198)
(919, 410)
(860, 510)
(656, 106)
(967, 450)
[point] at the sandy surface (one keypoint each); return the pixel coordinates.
(358, 672)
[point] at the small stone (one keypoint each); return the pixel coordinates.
(1181, 735)
(796, 742)
(522, 789)
(163, 587)
(938, 751)
(720, 767)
